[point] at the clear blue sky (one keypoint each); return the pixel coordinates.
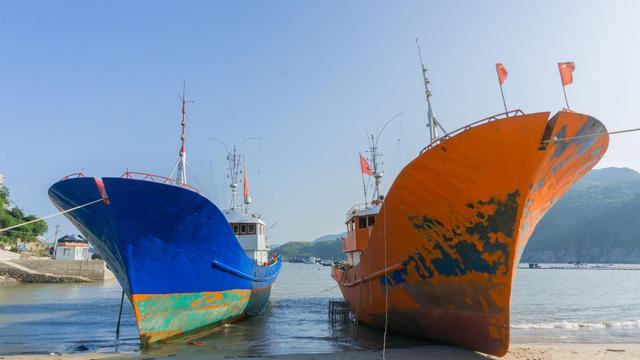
(94, 85)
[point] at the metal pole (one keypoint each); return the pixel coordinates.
(503, 101)
(55, 241)
(364, 187)
(119, 316)
(565, 96)
(563, 89)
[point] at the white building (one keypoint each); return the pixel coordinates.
(251, 234)
(70, 247)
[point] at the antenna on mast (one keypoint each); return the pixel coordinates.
(181, 175)
(234, 169)
(377, 169)
(432, 123)
(376, 162)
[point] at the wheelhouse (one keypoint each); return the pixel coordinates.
(359, 227)
(251, 234)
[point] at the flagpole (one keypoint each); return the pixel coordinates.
(565, 97)
(564, 91)
(503, 101)
(364, 187)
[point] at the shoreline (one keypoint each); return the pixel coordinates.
(520, 351)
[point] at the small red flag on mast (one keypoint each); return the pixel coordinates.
(502, 76)
(566, 72)
(502, 73)
(364, 166)
(566, 76)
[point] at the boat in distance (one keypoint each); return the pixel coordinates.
(436, 257)
(184, 264)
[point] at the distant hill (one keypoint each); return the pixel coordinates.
(327, 249)
(598, 220)
(330, 237)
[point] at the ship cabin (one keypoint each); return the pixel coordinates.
(359, 226)
(251, 234)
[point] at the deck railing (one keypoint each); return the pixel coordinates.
(486, 120)
(155, 178)
(74, 175)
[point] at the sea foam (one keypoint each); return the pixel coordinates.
(569, 325)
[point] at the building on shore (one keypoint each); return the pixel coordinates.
(71, 247)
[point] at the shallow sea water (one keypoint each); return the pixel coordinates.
(593, 306)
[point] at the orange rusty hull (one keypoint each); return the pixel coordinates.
(455, 222)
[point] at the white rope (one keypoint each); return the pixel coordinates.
(50, 216)
(386, 291)
(555, 139)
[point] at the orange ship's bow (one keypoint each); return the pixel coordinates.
(456, 221)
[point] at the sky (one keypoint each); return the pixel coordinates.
(94, 86)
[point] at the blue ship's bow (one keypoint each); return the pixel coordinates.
(172, 251)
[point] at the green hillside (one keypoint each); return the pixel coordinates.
(327, 250)
(598, 220)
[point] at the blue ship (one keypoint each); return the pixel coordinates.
(184, 264)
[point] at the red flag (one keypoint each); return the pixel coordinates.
(566, 72)
(502, 73)
(364, 166)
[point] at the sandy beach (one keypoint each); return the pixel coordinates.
(435, 352)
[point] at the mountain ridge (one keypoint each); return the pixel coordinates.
(596, 221)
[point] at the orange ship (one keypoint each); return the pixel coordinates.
(436, 258)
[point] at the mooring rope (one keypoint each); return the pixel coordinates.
(329, 288)
(386, 290)
(50, 216)
(556, 139)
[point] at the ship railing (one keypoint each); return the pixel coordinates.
(359, 207)
(75, 175)
(486, 120)
(156, 178)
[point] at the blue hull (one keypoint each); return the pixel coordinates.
(171, 250)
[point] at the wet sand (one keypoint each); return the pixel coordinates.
(435, 352)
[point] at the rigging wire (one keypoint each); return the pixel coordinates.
(51, 215)
(556, 139)
(213, 180)
(396, 152)
(22, 232)
(200, 186)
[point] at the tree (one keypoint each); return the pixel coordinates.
(10, 216)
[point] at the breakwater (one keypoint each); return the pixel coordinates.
(54, 271)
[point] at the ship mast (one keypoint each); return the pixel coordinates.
(181, 175)
(234, 169)
(377, 169)
(432, 123)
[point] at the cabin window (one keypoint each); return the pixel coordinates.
(236, 229)
(371, 220)
(243, 229)
(362, 222)
(252, 229)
